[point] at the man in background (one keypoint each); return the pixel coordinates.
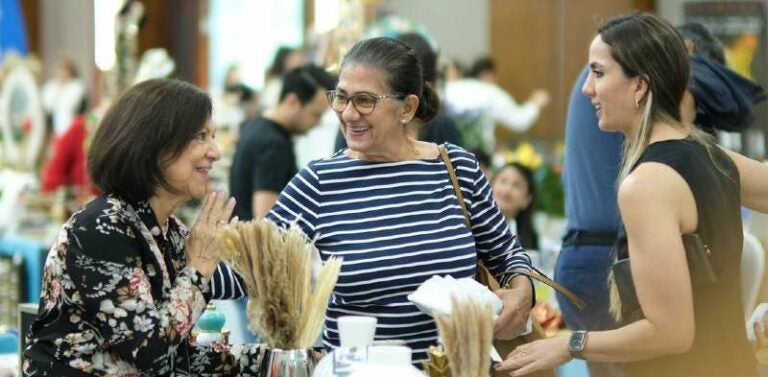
(264, 160)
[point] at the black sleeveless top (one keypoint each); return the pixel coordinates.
(720, 347)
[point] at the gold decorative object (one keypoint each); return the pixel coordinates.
(436, 364)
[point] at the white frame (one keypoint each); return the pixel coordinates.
(21, 156)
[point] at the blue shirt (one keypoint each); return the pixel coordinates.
(592, 163)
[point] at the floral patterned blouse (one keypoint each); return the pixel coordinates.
(118, 299)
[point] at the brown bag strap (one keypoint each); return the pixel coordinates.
(534, 274)
(572, 297)
(455, 183)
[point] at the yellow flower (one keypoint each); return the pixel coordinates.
(525, 154)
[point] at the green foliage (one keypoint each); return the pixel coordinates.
(550, 196)
(469, 126)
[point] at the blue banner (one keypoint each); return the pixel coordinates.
(13, 35)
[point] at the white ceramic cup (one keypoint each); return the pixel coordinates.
(356, 331)
(390, 355)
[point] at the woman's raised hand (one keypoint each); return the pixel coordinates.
(202, 249)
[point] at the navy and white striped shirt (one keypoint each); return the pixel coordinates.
(396, 224)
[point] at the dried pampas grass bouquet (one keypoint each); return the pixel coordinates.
(276, 266)
(467, 335)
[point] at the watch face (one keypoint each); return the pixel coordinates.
(577, 340)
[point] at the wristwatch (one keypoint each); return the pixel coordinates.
(577, 343)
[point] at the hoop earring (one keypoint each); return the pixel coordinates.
(637, 103)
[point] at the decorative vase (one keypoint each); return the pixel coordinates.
(211, 320)
(209, 326)
(288, 363)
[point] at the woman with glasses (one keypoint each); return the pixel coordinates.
(440, 129)
(386, 204)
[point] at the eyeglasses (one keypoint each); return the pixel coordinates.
(364, 103)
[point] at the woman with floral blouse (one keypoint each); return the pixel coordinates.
(125, 281)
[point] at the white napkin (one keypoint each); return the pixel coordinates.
(434, 295)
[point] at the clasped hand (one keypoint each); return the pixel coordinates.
(201, 248)
(517, 306)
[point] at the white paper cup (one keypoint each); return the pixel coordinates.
(356, 331)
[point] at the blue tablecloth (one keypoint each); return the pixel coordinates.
(33, 254)
(573, 368)
(9, 342)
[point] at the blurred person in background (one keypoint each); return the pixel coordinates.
(724, 100)
(235, 102)
(63, 96)
(237, 93)
(66, 166)
(234, 86)
(452, 70)
(484, 69)
(514, 190)
(478, 105)
(592, 161)
(286, 58)
(700, 41)
(264, 160)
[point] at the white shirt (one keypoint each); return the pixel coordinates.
(488, 104)
(61, 100)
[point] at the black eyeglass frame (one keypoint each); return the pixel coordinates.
(376, 98)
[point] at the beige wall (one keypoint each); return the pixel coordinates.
(67, 29)
(461, 27)
(543, 44)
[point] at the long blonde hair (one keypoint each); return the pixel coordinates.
(648, 47)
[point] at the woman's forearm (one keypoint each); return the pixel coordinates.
(637, 341)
